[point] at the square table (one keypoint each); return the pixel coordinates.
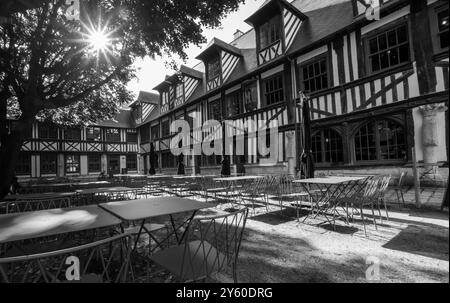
(106, 190)
(32, 225)
(331, 189)
(145, 209)
(232, 184)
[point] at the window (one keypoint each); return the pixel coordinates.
(180, 90)
(23, 164)
(155, 132)
(93, 134)
(388, 49)
(167, 160)
(48, 131)
(132, 136)
(165, 98)
(250, 97)
(233, 103)
(131, 162)
(439, 26)
(113, 135)
(144, 134)
(165, 129)
(94, 163)
(214, 111)
(443, 28)
(72, 134)
(273, 89)
(380, 140)
(270, 32)
(327, 147)
(315, 76)
(48, 164)
(212, 160)
(72, 164)
(214, 68)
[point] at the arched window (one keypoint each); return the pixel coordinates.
(380, 140)
(327, 147)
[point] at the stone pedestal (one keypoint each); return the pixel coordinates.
(430, 140)
(290, 152)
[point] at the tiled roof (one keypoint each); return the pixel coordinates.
(124, 119)
(324, 18)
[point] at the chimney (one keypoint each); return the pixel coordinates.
(238, 34)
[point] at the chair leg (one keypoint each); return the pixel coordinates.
(386, 209)
(379, 210)
(363, 220)
(373, 216)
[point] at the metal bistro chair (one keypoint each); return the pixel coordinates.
(369, 197)
(399, 188)
(20, 206)
(102, 261)
(383, 187)
(212, 246)
(255, 192)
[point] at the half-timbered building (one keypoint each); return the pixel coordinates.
(376, 81)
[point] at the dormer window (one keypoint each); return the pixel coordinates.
(270, 32)
(214, 68)
(180, 90)
(165, 98)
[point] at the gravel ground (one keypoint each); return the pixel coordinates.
(413, 246)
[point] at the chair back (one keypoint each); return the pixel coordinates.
(401, 179)
(21, 206)
(212, 245)
(371, 188)
(103, 261)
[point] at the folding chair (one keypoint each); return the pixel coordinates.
(212, 246)
(102, 261)
(399, 188)
(383, 187)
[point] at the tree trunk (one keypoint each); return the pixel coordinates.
(11, 143)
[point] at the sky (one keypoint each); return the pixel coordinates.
(152, 72)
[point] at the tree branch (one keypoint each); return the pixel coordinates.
(59, 101)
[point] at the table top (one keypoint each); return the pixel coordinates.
(240, 178)
(351, 178)
(103, 190)
(194, 177)
(71, 184)
(29, 225)
(159, 176)
(42, 196)
(130, 176)
(330, 181)
(135, 210)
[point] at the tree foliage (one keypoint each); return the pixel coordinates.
(49, 69)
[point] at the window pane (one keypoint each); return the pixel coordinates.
(392, 38)
(393, 57)
(404, 53)
(373, 45)
(402, 34)
(384, 60)
(375, 63)
(382, 42)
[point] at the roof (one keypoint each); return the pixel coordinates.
(146, 97)
(324, 19)
(320, 20)
(269, 6)
(217, 44)
(124, 119)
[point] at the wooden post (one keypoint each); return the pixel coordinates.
(416, 179)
